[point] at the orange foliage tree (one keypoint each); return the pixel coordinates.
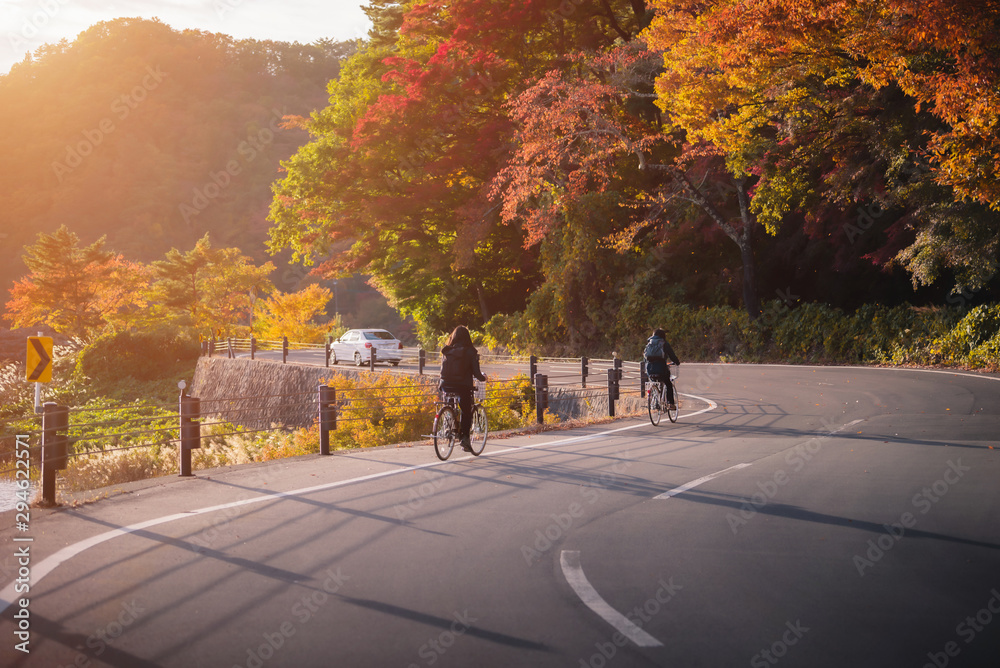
(75, 290)
(831, 104)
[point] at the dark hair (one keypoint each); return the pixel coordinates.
(460, 337)
(660, 333)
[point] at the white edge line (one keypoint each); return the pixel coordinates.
(845, 426)
(8, 594)
(694, 483)
(570, 562)
(854, 368)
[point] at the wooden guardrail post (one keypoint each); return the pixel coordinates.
(327, 416)
(229, 343)
(55, 443)
(284, 350)
(372, 358)
(643, 378)
(421, 361)
(253, 347)
(584, 369)
(532, 367)
(190, 411)
(541, 396)
(326, 349)
(612, 391)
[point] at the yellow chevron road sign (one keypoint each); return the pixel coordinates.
(39, 368)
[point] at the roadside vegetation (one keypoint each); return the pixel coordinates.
(123, 391)
(807, 334)
(562, 179)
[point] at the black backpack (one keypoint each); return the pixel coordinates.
(654, 349)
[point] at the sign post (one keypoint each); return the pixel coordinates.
(38, 369)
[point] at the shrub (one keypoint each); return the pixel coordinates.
(139, 355)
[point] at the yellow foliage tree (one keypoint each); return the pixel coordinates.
(295, 314)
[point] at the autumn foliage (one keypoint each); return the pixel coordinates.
(550, 171)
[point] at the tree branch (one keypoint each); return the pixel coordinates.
(614, 21)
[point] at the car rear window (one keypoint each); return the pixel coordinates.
(374, 336)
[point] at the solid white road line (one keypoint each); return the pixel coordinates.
(694, 483)
(8, 594)
(570, 562)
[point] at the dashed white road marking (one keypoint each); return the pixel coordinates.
(694, 483)
(570, 562)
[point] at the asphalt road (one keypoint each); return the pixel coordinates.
(807, 517)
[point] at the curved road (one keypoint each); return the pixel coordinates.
(795, 516)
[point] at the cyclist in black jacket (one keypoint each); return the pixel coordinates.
(459, 365)
(656, 354)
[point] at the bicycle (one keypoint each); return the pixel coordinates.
(447, 421)
(656, 398)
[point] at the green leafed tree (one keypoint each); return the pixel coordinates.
(210, 290)
(396, 182)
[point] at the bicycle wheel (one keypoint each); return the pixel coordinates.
(653, 403)
(479, 430)
(672, 412)
(444, 432)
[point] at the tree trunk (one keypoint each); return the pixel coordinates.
(484, 310)
(743, 238)
(751, 299)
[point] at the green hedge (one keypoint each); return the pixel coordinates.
(807, 333)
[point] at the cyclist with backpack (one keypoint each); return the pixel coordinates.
(459, 365)
(656, 354)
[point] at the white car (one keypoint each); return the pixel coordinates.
(356, 346)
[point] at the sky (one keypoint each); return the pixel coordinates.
(27, 24)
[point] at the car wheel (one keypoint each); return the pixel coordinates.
(333, 357)
(357, 359)
(394, 363)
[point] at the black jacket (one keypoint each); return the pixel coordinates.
(657, 366)
(459, 364)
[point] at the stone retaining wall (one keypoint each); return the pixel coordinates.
(257, 394)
